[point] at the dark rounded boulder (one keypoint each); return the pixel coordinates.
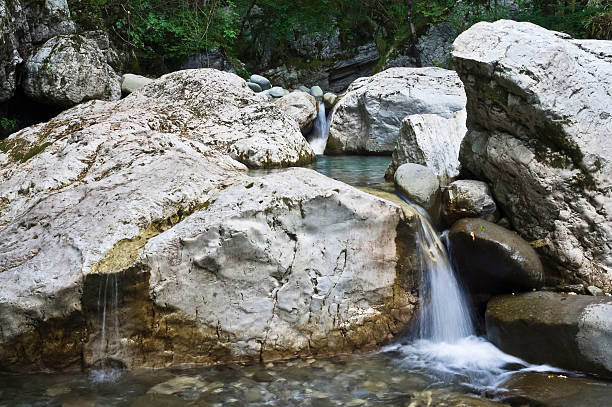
(493, 260)
(569, 331)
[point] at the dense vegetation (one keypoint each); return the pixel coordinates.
(172, 29)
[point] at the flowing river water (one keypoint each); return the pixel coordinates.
(441, 362)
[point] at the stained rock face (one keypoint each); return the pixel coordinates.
(493, 260)
(369, 116)
(84, 196)
(70, 69)
(430, 140)
(572, 332)
(468, 199)
(302, 107)
(270, 265)
(539, 120)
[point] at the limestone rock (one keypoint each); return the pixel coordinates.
(254, 87)
(493, 260)
(572, 332)
(144, 194)
(468, 199)
(434, 47)
(540, 124)
(131, 82)
(48, 19)
(316, 91)
(70, 69)
(270, 265)
(419, 184)
(368, 118)
(302, 107)
(220, 109)
(330, 100)
(430, 140)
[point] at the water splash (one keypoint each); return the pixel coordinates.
(107, 309)
(446, 347)
(320, 131)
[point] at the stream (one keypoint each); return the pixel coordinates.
(440, 362)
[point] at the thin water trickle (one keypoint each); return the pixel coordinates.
(320, 131)
(106, 373)
(446, 346)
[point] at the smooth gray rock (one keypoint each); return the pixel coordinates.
(264, 83)
(304, 89)
(301, 106)
(316, 91)
(468, 199)
(430, 140)
(254, 87)
(493, 260)
(131, 82)
(68, 70)
(568, 331)
(419, 184)
(539, 115)
(277, 92)
(369, 116)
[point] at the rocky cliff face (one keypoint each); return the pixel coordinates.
(210, 264)
(22, 26)
(539, 118)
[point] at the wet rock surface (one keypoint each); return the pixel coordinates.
(368, 118)
(491, 259)
(568, 331)
(539, 120)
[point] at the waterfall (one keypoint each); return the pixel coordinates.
(445, 313)
(108, 309)
(320, 131)
(446, 346)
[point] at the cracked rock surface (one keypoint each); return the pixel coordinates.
(539, 119)
(241, 268)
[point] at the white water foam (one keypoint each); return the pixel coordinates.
(447, 347)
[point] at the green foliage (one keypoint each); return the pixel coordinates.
(8, 126)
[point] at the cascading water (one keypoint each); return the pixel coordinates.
(320, 131)
(446, 346)
(108, 309)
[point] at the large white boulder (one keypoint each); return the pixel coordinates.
(540, 120)
(368, 118)
(143, 198)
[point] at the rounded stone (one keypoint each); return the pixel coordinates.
(316, 91)
(419, 184)
(263, 82)
(277, 92)
(493, 260)
(254, 87)
(131, 82)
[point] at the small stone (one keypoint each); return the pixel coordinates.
(254, 87)
(263, 377)
(329, 99)
(57, 390)
(595, 291)
(316, 91)
(253, 396)
(264, 83)
(355, 402)
(303, 88)
(277, 92)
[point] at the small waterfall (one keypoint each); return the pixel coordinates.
(108, 311)
(445, 312)
(446, 347)
(320, 130)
